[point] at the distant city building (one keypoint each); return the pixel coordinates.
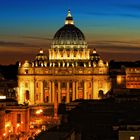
(129, 131)
(133, 77)
(17, 119)
(14, 119)
(2, 121)
(125, 75)
(71, 71)
(8, 88)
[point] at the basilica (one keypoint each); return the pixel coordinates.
(68, 72)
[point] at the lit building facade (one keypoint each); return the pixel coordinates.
(17, 119)
(2, 121)
(70, 71)
(133, 77)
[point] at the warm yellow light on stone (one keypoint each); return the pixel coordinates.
(18, 125)
(119, 79)
(39, 111)
(69, 60)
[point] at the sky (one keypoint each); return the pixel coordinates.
(110, 26)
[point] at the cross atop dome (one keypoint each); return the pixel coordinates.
(69, 19)
(69, 14)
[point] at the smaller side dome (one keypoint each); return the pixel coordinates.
(41, 56)
(94, 56)
(26, 64)
(40, 59)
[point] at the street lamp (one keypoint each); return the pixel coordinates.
(132, 138)
(39, 111)
(4, 135)
(9, 133)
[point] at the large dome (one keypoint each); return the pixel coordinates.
(69, 35)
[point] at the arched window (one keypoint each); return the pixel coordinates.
(63, 98)
(70, 96)
(101, 94)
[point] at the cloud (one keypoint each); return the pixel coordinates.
(40, 38)
(4, 43)
(25, 42)
(119, 14)
(129, 6)
(116, 46)
(123, 9)
(19, 51)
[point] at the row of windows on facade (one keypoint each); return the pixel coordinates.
(64, 64)
(69, 48)
(68, 54)
(78, 42)
(129, 78)
(63, 96)
(18, 117)
(64, 84)
(135, 84)
(137, 70)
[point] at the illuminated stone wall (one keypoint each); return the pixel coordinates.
(70, 71)
(17, 119)
(69, 55)
(41, 84)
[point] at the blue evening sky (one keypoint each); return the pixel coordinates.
(44, 17)
(111, 26)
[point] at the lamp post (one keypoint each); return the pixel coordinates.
(17, 129)
(132, 138)
(4, 135)
(39, 113)
(55, 102)
(9, 134)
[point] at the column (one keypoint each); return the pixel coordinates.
(85, 94)
(73, 90)
(59, 92)
(68, 93)
(93, 89)
(41, 91)
(31, 92)
(76, 89)
(50, 54)
(55, 99)
(53, 91)
(21, 96)
(50, 92)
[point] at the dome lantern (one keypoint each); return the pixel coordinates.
(69, 19)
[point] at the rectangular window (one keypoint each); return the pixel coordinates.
(71, 84)
(26, 85)
(100, 84)
(63, 85)
(18, 118)
(37, 84)
(45, 84)
(26, 71)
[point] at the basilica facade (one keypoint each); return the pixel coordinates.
(70, 71)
